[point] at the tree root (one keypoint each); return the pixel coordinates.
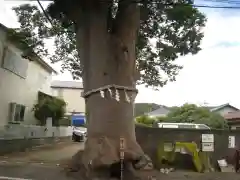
(101, 158)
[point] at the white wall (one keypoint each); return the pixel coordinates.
(75, 103)
(226, 110)
(30, 131)
(16, 89)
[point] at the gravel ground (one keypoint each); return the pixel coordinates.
(49, 155)
(197, 176)
(45, 164)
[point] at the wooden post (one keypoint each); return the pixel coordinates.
(122, 147)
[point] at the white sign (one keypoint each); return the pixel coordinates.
(222, 163)
(231, 142)
(207, 138)
(208, 147)
(178, 149)
(168, 147)
(183, 151)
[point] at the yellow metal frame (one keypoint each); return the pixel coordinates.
(200, 159)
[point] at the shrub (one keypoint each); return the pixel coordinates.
(49, 107)
(146, 120)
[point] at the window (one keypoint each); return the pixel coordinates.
(16, 112)
(14, 63)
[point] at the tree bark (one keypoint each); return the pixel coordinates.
(108, 58)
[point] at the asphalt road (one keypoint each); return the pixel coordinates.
(38, 164)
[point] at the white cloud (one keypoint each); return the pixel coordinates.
(221, 29)
(210, 76)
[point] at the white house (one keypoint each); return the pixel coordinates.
(71, 92)
(21, 80)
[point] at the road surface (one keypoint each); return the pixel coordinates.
(45, 164)
(38, 164)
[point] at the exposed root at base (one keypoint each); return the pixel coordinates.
(101, 158)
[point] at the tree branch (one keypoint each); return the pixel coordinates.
(127, 19)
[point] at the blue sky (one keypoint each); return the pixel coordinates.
(211, 76)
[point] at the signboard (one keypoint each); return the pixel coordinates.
(78, 119)
(183, 151)
(222, 163)
(231, 142)
(208, 147)
(207, 138)
(122, 143)
(168, 147)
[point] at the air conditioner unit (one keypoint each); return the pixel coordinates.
(12, 111)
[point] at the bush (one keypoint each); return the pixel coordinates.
(49, 107)
(146, 120)
(162, 119)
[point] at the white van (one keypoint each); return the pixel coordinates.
(183, 126)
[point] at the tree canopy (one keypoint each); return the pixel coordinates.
(189, 113)
(168, 29)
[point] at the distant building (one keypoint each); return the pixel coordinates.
(223, 109)
(162, 111)
(71, 92)
(233, 119)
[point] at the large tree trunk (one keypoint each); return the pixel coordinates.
(108, 58)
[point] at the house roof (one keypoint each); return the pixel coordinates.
(36, 58)
(67, 84)
(165, 110)
(216, 108)
(161, 110)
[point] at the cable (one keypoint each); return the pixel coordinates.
(138, 1)
(216, 7)
(158, 2)
(45, 13)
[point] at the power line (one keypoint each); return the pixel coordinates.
(44, 12)
(216, 7)
(138, 1)
(158, 2)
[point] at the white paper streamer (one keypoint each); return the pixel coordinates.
(127, 97)
(117, 97)
(110, 92)
(102, 94)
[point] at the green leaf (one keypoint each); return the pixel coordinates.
(176, 28)
(190, 113)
